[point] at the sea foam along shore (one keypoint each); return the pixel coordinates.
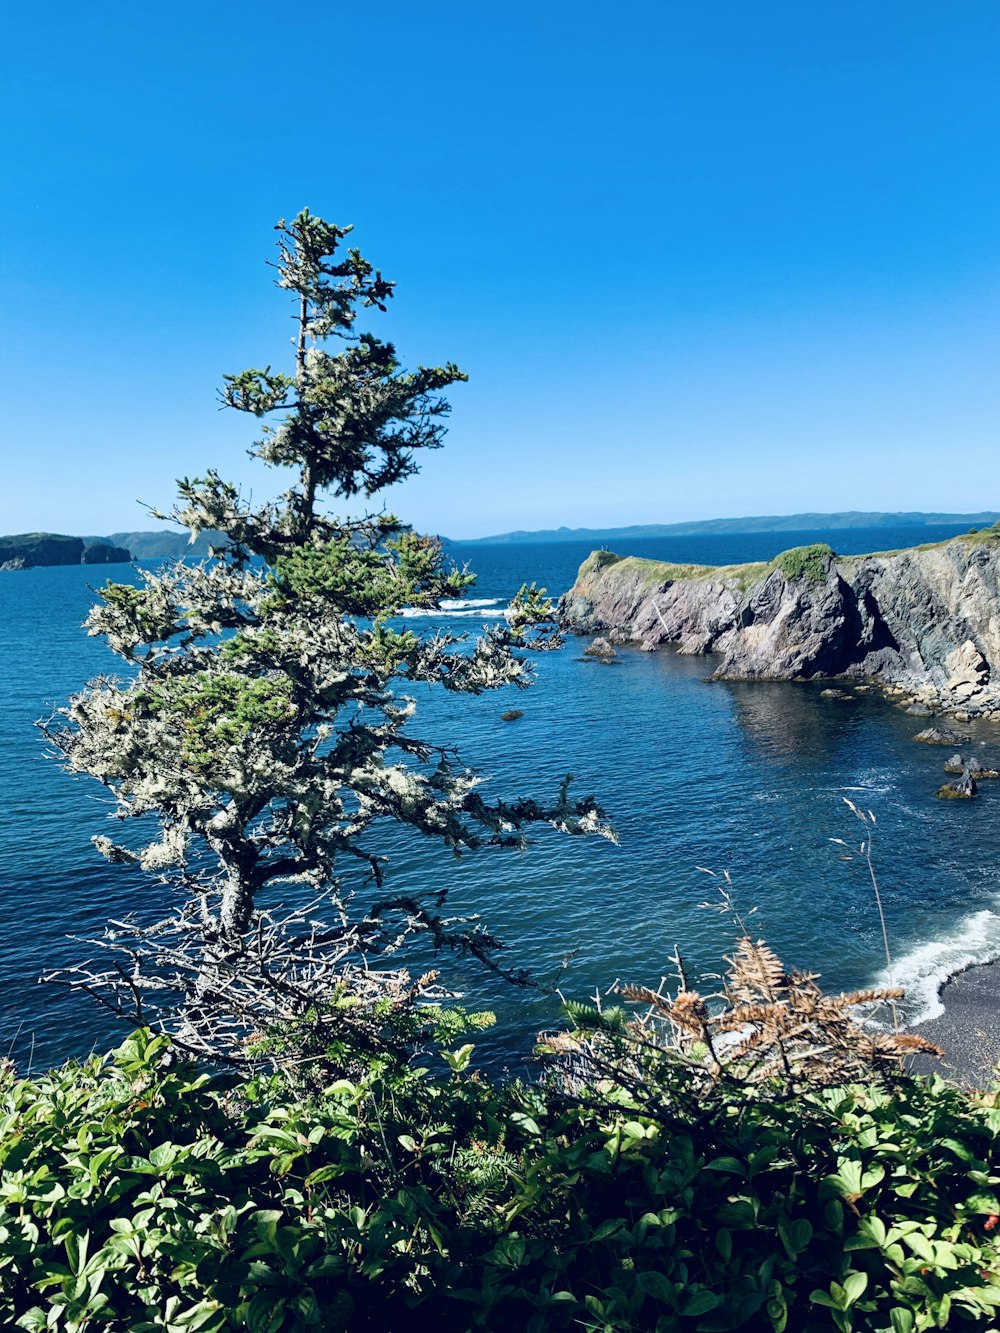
(953, 997)
(968, 1026)
(927, 970)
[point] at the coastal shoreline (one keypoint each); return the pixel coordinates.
(969, 1029)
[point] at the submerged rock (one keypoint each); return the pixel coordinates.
(834, 694)
(942, 736)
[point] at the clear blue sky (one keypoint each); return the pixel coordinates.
(699, 258)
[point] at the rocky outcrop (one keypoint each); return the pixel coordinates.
(51, 548)
(942, 736)
(40, 548)
(962, 789)
(925, 621)
(103, 553)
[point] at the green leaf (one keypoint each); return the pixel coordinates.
(526, 1123)
(700, 1302)
(854, 1285)
(656, 1285)
(265, 1313)
(731, 1166)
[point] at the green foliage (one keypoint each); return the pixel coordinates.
(135, 1195)
(263, 729)
(216, 713)
(805, 562)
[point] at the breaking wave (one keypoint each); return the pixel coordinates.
(454, 607)
(923, 970)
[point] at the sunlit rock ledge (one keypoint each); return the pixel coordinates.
(923, 622)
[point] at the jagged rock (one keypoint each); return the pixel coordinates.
(922, 622)
(942, 736)
(968, 670)
(978, 766)
(962, 789)
(600, 648)
(647, 646)
(17, 562)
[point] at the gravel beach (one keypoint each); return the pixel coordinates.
(969, 1028)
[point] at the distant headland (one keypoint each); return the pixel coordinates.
(726, 526)
(27, 550)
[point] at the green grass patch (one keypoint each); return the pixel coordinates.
(805, 562)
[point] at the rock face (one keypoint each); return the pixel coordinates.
(103, 553)
(40, 548)
(924, 620)
(50, 548)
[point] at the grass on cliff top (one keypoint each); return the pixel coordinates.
(799, 561)
(664, 571)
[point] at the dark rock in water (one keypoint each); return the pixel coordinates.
(962, 789)
(103, 553)
(511, 715)
(834, 694)
(600, 648)
(942, 736)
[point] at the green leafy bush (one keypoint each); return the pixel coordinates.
(136, 1195)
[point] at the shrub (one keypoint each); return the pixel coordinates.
(805, 562)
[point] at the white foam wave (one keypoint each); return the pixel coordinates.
(437, 613)
(460, 603)
(924, 969)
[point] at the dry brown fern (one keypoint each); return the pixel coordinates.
(769, 1028)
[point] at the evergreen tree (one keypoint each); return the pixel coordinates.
(261, 726)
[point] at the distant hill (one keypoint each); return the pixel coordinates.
(163, 544)
(767, 523)
(28, 549)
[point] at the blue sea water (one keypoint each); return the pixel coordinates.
(748, 778)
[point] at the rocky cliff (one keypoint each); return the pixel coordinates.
(105, 553)
(40, 548)
(29, 549)
(925, 621)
